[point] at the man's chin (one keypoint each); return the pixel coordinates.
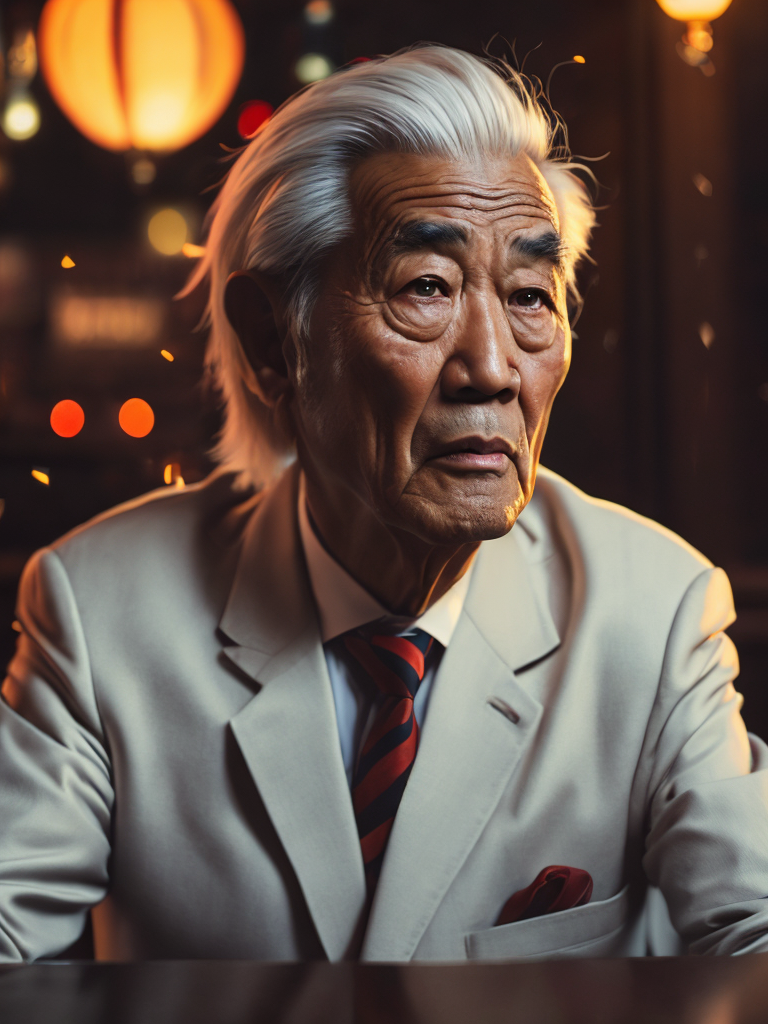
(456, 522)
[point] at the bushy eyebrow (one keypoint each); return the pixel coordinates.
(424, 234)
(549, 247)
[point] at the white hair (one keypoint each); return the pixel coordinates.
(284, 203)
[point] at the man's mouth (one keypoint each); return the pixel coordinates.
(476, 453)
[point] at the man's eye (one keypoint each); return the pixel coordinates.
(425, 287)
(530, 298)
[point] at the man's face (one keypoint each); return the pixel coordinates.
(437, 345)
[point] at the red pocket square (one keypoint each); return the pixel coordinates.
(555, 888)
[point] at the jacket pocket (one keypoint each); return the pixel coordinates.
(581, 931)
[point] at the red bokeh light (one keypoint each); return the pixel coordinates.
(67, 418)
(253, 114)
(136, 417)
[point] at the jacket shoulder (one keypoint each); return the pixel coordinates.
(609, 536)
(163, 526)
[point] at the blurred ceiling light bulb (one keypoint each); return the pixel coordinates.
(319, 12)
(312, 67)
(141, 74)
(697, 40)
(168, 231)
(21, 117)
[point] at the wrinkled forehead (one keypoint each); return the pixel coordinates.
(506, 194)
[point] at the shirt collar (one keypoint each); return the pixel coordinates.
(343, 604)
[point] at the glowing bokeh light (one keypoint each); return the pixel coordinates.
(21, 117)
(67, 418)
(166, 354)
(319, 12)
(192, 251)
(143, 171)
(143, 74)
(168, 231)
(22, 55)
(694, 10)
(312, 67)
(579, 59)
(67, 262)
(41, 476)
(136, 417)
(707, 334)
(252, 116)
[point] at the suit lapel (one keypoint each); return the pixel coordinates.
(288, 732)
(468, 748)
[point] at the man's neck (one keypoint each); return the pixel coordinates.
(403, 572)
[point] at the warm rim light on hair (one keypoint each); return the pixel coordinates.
(67, 418)
(136, 417)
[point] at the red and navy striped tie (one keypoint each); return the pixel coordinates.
(396, 666)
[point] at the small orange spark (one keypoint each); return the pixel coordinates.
(67, 262)
(166, 354)
(38, 474)
(579, 59)
(16, 626)
(192, 251)
(180, 482)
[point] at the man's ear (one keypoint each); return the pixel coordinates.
(255, 312)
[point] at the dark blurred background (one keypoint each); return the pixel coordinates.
(666, 406)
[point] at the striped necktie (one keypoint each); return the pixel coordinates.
(395, 664)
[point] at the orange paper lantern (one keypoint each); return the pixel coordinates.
(148, 74)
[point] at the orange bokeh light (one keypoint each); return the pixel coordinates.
(136, 417)
(67, 418)
(142, 74)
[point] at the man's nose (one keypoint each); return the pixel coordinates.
(483, 363)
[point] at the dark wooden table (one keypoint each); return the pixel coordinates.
(718, 990)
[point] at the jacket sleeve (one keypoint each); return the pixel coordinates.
(707, 838)
(56, 790)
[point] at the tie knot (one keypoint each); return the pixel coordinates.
(395, 663)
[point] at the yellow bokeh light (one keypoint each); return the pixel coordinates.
(694, 10)
(166, 354)
(311, 67)
(172, 475)
(67, 262)
(192, 251)
(141, 74)
(168, 231)
(42, 477)
(579, 59)
(21, 118)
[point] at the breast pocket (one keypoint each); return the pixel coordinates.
(591, 930)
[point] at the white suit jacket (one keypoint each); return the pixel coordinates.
(169, 754)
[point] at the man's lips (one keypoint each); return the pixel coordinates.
(476, 453)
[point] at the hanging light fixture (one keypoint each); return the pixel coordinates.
(149, 75)
(698, 15)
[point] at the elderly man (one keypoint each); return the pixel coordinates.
(386, 702)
